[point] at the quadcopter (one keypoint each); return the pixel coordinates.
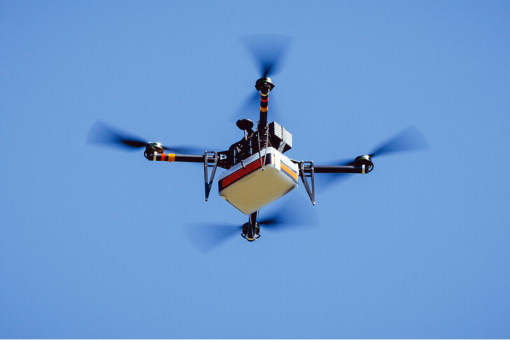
(256, 171)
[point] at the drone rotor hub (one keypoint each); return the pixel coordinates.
(264, 85)
(364, 161)
(156, 147)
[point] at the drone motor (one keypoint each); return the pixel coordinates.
(264, 85)
(152, 148)
(364, 162)
(249, 235)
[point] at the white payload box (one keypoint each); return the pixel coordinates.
(265, 177)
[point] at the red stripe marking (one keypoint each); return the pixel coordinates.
(264, 100)
(240, 173)
(163, 157)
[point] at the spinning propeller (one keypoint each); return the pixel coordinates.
(410, 139)
(295, 213)
(268, 52)
(102, 133)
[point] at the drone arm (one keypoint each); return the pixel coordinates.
(171, 157)
(264, 86)
(264, 99)
(337, 169)
(308, 171)
(207, 158)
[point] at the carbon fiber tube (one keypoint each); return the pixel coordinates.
(335, 169)
(191, 158)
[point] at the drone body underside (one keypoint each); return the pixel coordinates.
(266, 177)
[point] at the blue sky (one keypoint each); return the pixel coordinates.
(93, 241)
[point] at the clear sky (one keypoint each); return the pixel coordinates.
(93, 241)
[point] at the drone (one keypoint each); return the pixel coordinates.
(256, 171)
